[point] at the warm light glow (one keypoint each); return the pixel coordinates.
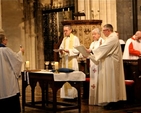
(56, 65)
(68, 9)
(27, 64)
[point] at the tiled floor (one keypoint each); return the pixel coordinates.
(85, 107)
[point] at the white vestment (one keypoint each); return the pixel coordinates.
(136, 46)
(10, 68)
(121, 41)
(111, 84)
(93, 75)
(73, 53)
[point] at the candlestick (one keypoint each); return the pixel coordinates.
(27, 65)
(56, 65)
(68, 9)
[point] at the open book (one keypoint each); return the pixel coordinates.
(82, 49)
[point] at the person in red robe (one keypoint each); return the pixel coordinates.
(133, 47)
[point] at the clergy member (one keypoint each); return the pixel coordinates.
(69, 56)
(10, 68)
(97, 41)
(111, 84)
(133, 47)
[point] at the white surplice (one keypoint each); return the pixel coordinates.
(10, 68)
(136, 45)
(93, 100)
(111, 84)
(71, 92)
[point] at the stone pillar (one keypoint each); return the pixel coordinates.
(76, 5)
(95, 9)
(81, 9)
(135, 16)
(23, 43)
(104, 10)
(107, 12)
(30, 35)
(87, 9)
(32, 39)
(1, 30)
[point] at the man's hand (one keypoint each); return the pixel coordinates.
(67, 51)
(88, 50)
(21, 49)
(61, 51)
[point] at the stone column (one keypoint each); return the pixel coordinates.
(135, 16)
(1, 30)
(32, 39)
(87, 9)
(30, 36)
(81, 9)
(95, 9)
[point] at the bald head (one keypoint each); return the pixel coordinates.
(138, 35)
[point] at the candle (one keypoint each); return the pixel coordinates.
(56, 65)
(58, 34)
(27, 64)
(68, 9)
(63, 9)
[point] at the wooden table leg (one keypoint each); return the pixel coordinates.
(79, 97)
(77, 85)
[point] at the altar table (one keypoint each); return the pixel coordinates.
(55, 80)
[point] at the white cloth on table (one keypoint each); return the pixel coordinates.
(73, 76)
(26, 76)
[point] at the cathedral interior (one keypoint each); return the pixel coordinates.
(37, 25)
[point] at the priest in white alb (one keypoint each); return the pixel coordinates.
(10, 69)
(97, 41)
(69, 56)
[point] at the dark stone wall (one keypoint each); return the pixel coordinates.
(125, 18)
(139, 14)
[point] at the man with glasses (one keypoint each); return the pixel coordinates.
(111, 84)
